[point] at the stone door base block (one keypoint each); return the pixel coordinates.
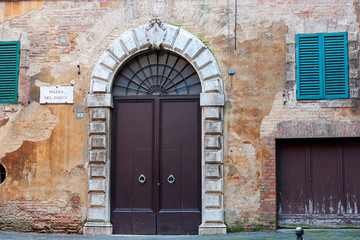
(212, 229)
(98, 228)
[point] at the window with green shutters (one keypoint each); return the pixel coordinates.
(9, 71)
(322, 66)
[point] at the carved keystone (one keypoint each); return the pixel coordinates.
(155, 33)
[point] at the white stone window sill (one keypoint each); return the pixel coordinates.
(333, 103)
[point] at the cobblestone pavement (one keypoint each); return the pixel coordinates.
(281, 235)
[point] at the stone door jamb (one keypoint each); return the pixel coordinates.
(155, 35)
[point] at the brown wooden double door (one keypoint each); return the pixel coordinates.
(318, 182)
(156, 160)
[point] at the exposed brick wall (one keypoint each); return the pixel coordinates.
(39, 216)
(300, 124)
(292, 118)
(268, 183)
(63, 21)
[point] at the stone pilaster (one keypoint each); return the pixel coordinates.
(212, 187)
(98, 218)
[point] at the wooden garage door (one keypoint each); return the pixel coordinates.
(318, 182)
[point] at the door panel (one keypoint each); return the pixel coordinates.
(172, 223)
(318, 183)
(326, 183)
(144, 223)
(142, 172)
(156, 181)
(180, 148)
(170, 193)
(133, 155)
(351, 180)
(292, 192)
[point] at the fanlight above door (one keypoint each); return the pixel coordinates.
(157, 73)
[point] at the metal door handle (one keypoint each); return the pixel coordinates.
(142, 178)
(171, 179)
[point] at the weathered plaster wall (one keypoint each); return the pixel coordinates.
(45, 168)
(9, 10)
(259, 76)
(44, 147)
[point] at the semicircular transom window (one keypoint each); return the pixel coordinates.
(157, 73)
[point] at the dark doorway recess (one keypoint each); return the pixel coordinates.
(318, 182)
(156, 165)
(2, 173)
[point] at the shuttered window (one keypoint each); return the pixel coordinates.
(9, 71)
(322, 66)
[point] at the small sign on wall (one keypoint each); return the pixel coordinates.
(57, 94)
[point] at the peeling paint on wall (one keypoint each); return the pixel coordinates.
(250, 93)
(45, 172)
(31, 123)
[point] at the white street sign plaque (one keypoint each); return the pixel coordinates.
(57, 94)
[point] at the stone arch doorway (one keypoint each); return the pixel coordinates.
(155, 185)
(175, 41)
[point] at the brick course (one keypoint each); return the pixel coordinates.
(39, 216)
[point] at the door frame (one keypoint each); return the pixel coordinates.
(157, 99)
(155, 35)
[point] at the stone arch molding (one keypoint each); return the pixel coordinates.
(155, 35)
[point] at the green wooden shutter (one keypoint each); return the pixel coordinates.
(9, 71)
(322, 66)
(308, 65)
(335, 65)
